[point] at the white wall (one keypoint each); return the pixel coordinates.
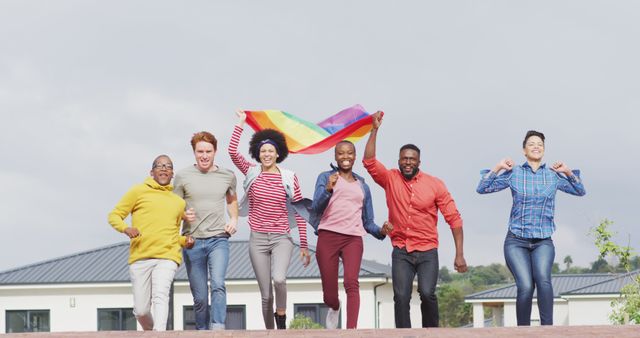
(63, 316)
(566, 311)
(589, 311)
(74, 307)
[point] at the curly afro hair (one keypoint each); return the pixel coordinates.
(268, 134)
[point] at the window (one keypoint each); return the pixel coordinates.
(27, 321)
(116, 320)
(317, 312)
(236, 318)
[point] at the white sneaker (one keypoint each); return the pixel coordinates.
(333, 317)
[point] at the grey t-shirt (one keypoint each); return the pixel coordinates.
(206, 194)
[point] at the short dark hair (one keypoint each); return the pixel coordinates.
(531, 133)
(344, 142)
(410, 146)
(268, 134)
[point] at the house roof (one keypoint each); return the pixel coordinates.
(569, 284)
(610, 286)
(109, 265)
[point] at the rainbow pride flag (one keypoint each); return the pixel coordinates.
(304, 137)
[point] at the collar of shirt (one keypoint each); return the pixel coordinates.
(526, 165)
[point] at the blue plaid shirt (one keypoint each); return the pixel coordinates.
(534, 195)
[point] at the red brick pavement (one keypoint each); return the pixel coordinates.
(627, 331)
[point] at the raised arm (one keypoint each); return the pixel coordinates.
(491, 181)
(377, 170)
(238, 160)
(370, 149)
(570, 181)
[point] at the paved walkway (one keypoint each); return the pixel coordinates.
(522, 332)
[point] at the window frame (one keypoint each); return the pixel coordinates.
(186, 308)
(120, 319)
(28, 314)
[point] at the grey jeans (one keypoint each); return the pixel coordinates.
(270, 254)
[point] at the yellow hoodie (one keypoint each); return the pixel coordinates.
(157, 213)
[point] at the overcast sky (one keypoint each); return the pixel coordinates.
(92, 91)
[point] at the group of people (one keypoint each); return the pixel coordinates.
(187, 220)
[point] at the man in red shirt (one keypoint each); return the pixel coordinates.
(413, 199)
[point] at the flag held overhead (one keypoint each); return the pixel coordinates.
(304, 137)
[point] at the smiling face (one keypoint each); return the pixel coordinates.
(409, 163)
(533, 149)
(162, 171)
(268, 155)
(345, 155)
(204, 153)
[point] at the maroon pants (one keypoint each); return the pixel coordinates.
(330, 247)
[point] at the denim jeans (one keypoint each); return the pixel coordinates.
(530, 261)
(213, 254)
(404, 266)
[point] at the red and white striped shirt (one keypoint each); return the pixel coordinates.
(267, 197)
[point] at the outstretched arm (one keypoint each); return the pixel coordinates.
(377, 170)
(370, 149)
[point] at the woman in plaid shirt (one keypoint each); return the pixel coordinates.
(528, 248)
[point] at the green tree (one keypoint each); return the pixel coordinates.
(601, 266)
(567, 262)
(626, 308)
(454, 312)
(483, 276)
(301, 321)
(444, 276)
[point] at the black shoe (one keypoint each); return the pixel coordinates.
(281, 321)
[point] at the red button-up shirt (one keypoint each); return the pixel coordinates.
(413, 206)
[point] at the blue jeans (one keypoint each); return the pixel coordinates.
(213, 254)
(530, 261)
(404, 266)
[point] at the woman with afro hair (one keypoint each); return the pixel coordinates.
(269, 191)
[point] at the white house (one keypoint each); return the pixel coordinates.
(90, 291)
(583, 299)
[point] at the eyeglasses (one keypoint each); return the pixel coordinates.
(163, 166)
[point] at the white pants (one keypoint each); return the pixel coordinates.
(151, 281)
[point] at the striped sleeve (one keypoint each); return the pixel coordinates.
(240, 162)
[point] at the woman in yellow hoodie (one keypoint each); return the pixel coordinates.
(154, 252)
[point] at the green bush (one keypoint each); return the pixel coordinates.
(303, 322)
